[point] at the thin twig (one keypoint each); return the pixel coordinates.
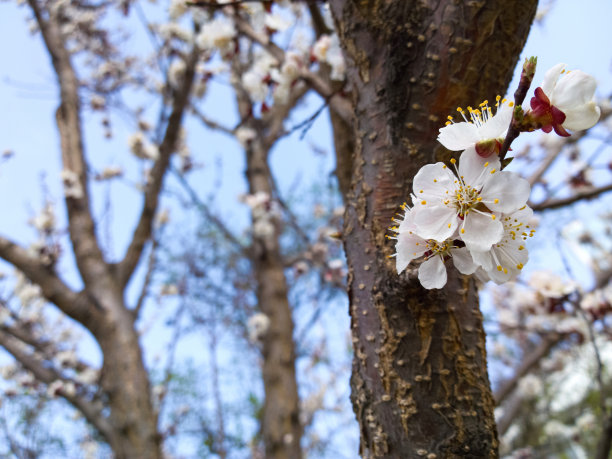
(562, 202)
(195, 199)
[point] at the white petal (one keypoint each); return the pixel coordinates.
(432, 273)
(408, 247)
(510, 189)
(434, 180)
(463, 261)
(480, 231)
(458, 136)
(497, 126)
(482, 275)
(574, 88)
(483, 259)
(472, 167)
(582, 117)
(437, 222)
(508, 257)
(550, 79)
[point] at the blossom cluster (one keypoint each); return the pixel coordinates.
(474, 212)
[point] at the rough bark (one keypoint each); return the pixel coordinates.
(420, 386)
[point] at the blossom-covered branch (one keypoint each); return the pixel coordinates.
(52, 287)
(48, 376)
(81, 225)
(142, 232)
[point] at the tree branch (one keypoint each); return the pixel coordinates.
(337, 103)
(53, 288)
(88, 255)
(142, 232)
(210, 123)
(534, 357)
(47, 375)
(562, 202)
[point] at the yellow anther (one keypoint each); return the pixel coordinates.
(511, 104)
(449, 225)
(486, 164)
(420, 191)
(493, 171)
(435, 180)
(521, 247)
(444, 166)
(505, 270)
(453, 160)
(499, 268)
(496, 201)
(462, 230)
(479, 198)
(423, 202)
(492, 217)
(520, 266)
(497, 98)
(450, 118)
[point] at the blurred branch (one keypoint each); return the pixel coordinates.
(530, 361)
(142, 232)
(88, 255)
(210, 123)
(195, 199)
(340, 105)
(52, 287)
(144, 291)
(562, 202)
(47, 375)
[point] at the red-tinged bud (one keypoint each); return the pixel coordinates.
(486, 148)
(546, 116)
(264, 108)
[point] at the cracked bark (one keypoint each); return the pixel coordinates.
(419, 386)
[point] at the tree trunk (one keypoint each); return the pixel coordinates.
(420, 386)
(125, 381)
(281, 427)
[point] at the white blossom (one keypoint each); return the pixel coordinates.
(110, 172)
(141, 147)
(218, 33)
(257, 326)
(176, 73)
(44, 222)
(572, 93)
(432, 272)
(550, 285)
(72, 185)
(479, 127)
(245, 135)
(506, 258)
(469, 202)
(177, 8)
(530, 386)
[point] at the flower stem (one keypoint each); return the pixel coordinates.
(519, 96)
